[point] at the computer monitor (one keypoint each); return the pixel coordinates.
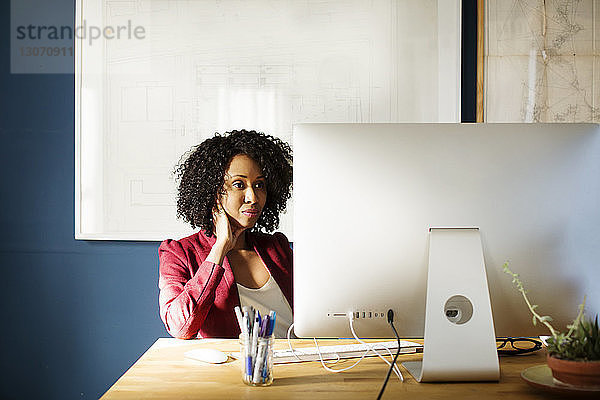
(365, 196)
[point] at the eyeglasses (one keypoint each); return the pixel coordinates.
(518, 345)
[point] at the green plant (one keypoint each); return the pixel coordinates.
(580, 342)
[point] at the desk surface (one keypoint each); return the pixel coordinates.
(163, 372)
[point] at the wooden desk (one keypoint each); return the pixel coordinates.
(164, 373)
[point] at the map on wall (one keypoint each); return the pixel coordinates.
(542, 61)
(207, 66)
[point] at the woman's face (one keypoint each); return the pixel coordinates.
(245, 191)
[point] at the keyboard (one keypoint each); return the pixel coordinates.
(343, 351)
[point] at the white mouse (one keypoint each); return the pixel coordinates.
(212, 356)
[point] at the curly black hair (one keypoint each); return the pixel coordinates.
(202, 176)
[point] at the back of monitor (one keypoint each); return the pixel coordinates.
(366, 194)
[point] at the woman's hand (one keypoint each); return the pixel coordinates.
(226, 235)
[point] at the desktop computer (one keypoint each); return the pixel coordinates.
(366, 196)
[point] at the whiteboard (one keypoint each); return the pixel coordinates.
(213, 66)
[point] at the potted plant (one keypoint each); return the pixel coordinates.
(574, 356)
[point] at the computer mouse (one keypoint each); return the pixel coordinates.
(211, 356)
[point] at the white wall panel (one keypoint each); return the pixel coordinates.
(207, 66)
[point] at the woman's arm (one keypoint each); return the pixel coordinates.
(185, 300)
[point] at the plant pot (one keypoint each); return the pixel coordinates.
(576, 373)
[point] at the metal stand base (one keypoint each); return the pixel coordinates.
(460, 344)
(415, 368)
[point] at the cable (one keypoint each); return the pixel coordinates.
(394, 366)
(290, 342)
(369, 346)
(390, 318)
(338, 370)
(294, 351)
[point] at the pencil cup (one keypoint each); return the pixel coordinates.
(257, 360)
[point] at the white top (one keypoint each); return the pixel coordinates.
(269, 298)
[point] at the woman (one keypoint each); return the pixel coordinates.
(230, 186)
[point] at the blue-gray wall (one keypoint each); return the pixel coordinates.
(74, 314)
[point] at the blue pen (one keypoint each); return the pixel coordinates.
(246, 339)
(270, 329)
(273, 316)
(254, 339)
(264, 327)
(249, 369)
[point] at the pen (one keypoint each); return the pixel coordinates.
(261, 352)
(238, 314)
(244, 326)
(273, 318)
(249, 369)
(246, 341)
(255, 329)
(251, 317)
(245, 316)
(270, 327)
(248, 321)
(263, 326)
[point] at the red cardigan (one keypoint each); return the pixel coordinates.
(197, 297)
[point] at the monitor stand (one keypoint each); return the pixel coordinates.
(460, 344)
